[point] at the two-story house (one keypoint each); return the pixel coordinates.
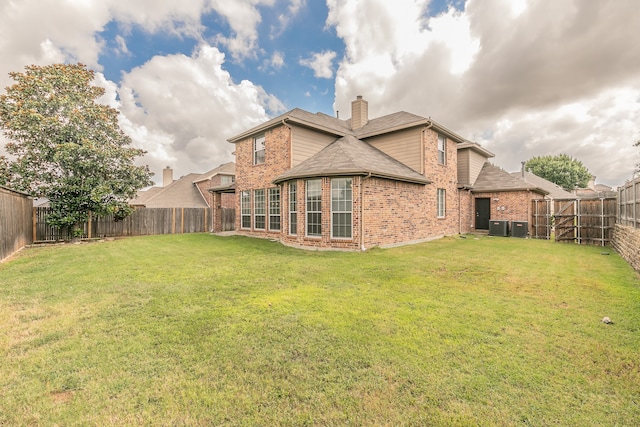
(313, 180)
(317, 181)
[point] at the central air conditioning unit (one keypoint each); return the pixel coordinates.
(498, 228)
(519, 229)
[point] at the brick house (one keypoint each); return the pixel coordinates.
(312, 180)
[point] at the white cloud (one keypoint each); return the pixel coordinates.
(563, 77)
(321, 63)
(285, 18)
(182, 109)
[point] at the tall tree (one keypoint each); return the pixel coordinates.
(562, 169)
(66, 146)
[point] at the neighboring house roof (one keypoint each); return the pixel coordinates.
(223, 169)
(351, 156)
(335, 126)
(554, 190)
(492, 178)
(181, 193)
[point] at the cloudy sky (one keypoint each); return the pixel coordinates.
(522, 77)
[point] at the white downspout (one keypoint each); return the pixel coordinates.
(362, 247)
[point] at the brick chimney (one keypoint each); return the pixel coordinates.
(167, 176)
(359, 113)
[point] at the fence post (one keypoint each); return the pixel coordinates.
(89, 227)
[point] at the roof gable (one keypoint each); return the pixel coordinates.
(351, 156)
(181, 193)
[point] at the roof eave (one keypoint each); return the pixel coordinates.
(283, 120)
(504, 190)
(282, 179)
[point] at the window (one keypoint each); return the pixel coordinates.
(293, 208)
(274, 208)
(258, 209)
(442, 195)
(258, 149)
(341, 208)
(226, 179)
(245, 208)
(442, 150)
(314, 207)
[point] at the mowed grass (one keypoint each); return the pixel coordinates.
(206, 330)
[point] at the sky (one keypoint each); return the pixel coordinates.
(523, 78)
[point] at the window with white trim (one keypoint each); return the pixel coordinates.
(245, 209)
(274, 209)
(442, 149)
(341, 208)
(258, 149)
(314, 207)
(226, 179)
(293, 208)
(258, 209)
(441, 208)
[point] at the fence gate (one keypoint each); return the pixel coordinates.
(565, 212)
(582, 221)
(542, 219)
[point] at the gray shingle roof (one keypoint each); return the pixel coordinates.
(554, 190)
(351, 156)
(493, 178)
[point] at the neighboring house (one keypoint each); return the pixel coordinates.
(190, 191)
(313, 180)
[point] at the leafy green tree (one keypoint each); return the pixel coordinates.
(4, 171)
(68, 147)
(562, 169)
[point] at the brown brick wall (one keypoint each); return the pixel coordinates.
(251, 177)
(467, 211)
(510, 205)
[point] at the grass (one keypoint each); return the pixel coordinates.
(203, 330)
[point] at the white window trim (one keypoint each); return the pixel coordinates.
(255, 150)
(342, 212)
(441, 199)
(295, 233)
(279, 215)
(255, 211)
(247, 192)
(307, 211)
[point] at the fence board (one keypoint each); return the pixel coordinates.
(142, 222)
(629, 204)
(16, 229)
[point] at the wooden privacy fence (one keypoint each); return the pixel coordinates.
(582, 221)
(629, 204)
(142, 222)
(15, 221)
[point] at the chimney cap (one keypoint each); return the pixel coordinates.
(359, 97)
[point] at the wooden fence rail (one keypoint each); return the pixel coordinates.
(15, 221)
(142, 222)
(629, 204)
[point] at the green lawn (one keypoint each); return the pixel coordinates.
(205, 330)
